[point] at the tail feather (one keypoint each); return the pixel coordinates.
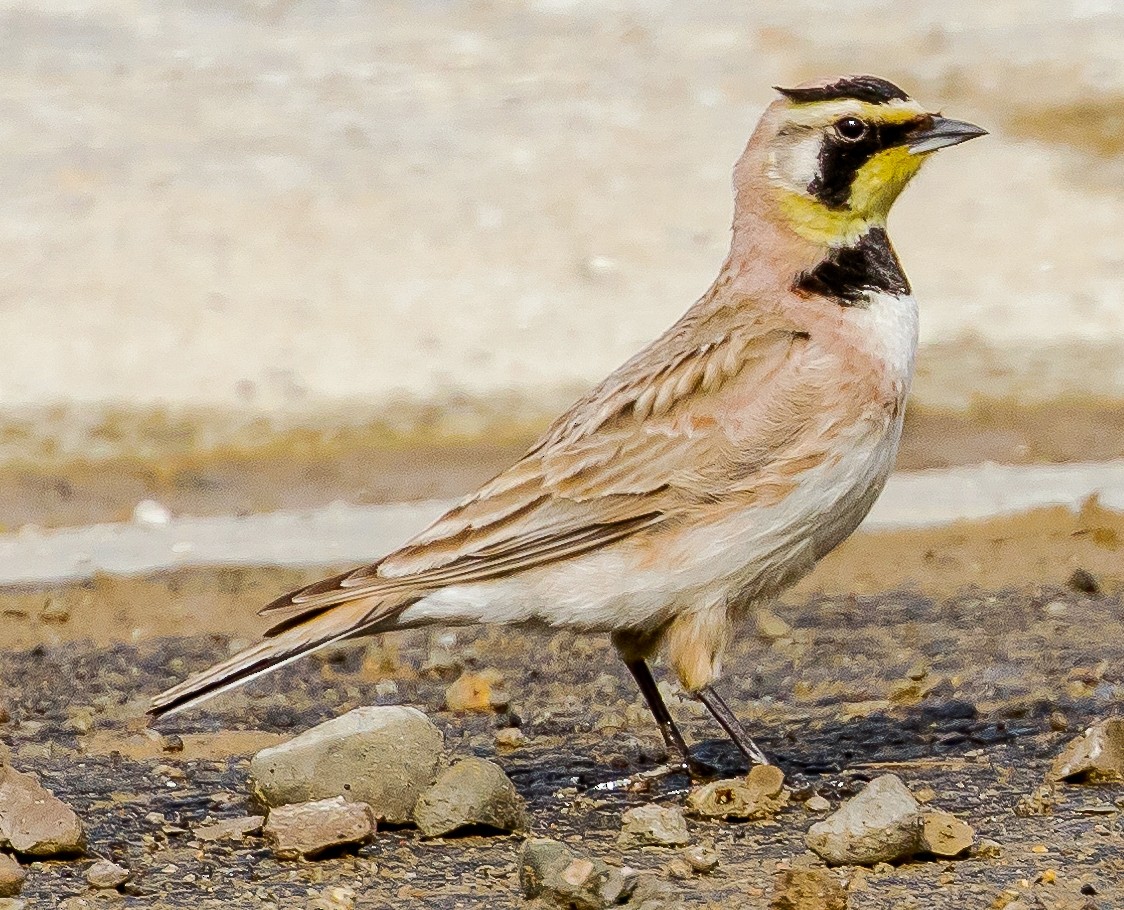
(318, 631)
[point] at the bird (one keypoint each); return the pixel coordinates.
(714, 468)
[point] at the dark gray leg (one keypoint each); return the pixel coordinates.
(733, 727)
(671, 735)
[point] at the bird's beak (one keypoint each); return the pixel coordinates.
(940, 133)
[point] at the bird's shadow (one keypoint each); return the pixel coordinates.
(808, 752)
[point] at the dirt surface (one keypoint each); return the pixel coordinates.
(1044, 547)
(262, 469)
(970, 695)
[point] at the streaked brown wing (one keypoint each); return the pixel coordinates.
(639, 450)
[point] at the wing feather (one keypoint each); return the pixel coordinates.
(639, 450)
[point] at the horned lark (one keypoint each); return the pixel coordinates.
(715, 467)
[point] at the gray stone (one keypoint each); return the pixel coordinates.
(35, 822)
(106, 874)
(1096, 756)
(652, 825)
(473, 792)
(12, 875)
(308, 829)
(551, 871)
(382, 756)
(881, 824)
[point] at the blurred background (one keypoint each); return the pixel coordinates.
(269, 254)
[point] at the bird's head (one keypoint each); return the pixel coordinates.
(835, 154)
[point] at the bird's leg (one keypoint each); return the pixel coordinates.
(733, 727)
(681, 757)
(672, 738)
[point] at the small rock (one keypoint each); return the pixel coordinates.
(152, 513)
(338, 898)
(881, 824)
(473, 792)
(1084, 582)
(817, 804)
(650, 892)
(442, 664)
(760, 795)
(35, 822)
(553, 872)
(943, 834)
(510, 738)
(384, 756)
(230, 828)
(988, 849)
(12, 875)
(652, 825)
(106, 874)
(1039, 802)
(483, 692)
(679, 868)
(1096, 756)
(771, 627)
(701, 858)
(307, 829)
(807, 888)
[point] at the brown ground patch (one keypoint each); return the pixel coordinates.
(1043, 547)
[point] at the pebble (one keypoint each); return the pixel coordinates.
(988, 849)
(12, 875)
(1096, 756)
(230, 828)
(945, 835)
(338, 898)
(1084, 582)
(760, 795)
(552, 872)
(35, 822)
(807, 888)
(817, 804)
(771, 627)
(307, 829)
(653, 826)
(510, 738)
(880, 824)
(650, 892)
(106, 874)
(481, 692)
(701, 858)
(473, 792)
(384, 756)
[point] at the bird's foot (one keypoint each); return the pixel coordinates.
(696, 772)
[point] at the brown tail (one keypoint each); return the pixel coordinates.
(291, 643)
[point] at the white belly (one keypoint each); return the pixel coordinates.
(754, 553)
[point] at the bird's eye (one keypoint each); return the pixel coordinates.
(851, 128)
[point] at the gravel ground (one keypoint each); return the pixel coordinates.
(969, 695)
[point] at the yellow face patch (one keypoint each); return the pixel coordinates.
(878, 182)
(828, 193)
